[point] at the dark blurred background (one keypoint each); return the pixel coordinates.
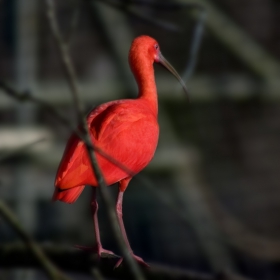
(210, 199)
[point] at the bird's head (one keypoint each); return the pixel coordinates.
(145, 49)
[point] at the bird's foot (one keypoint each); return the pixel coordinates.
(138, 259)
(95, 249)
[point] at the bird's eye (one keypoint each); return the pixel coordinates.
(156, 46)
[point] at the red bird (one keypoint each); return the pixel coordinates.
(127, 130)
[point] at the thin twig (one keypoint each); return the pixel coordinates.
(135, 13)
(161, 196)
(10, 91)
(72, 80)
(67, 64)
(74, 260)
(78, 261)
(196, 42)
(37, 252)
(132, 9)
(24, 96)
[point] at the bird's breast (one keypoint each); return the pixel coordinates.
(128, 136)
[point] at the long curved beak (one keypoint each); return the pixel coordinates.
(170, 68)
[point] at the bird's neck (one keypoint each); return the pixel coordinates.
(147, 86)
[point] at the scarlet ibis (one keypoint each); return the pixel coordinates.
(127, 130)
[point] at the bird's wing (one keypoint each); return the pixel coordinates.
(68, 195)
(128, 133)
(124, 131)
(74, 166)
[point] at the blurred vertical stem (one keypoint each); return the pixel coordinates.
(196, 42)
(72, 80)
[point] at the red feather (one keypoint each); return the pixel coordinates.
(68, 196)
(126, 130)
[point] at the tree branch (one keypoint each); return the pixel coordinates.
(135, 13)
(74, 260)
(24, 96)
(33, 249)
(195, 45)
(72, 80)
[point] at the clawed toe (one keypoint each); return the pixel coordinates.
(138, 259)
(104, 251)
(97, 249)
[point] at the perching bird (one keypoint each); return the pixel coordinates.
(127, 130)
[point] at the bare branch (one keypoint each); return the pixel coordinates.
(74, 260)
(72, 80)
(131, 11)
(67, 64)
(10, 91)
(24, 96)
(196, 42)
(38, 255)
(131, 8)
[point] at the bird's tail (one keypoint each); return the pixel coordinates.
(68, 195)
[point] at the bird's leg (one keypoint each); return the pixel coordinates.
(98, 246)
(122, 186)
(94, 209)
